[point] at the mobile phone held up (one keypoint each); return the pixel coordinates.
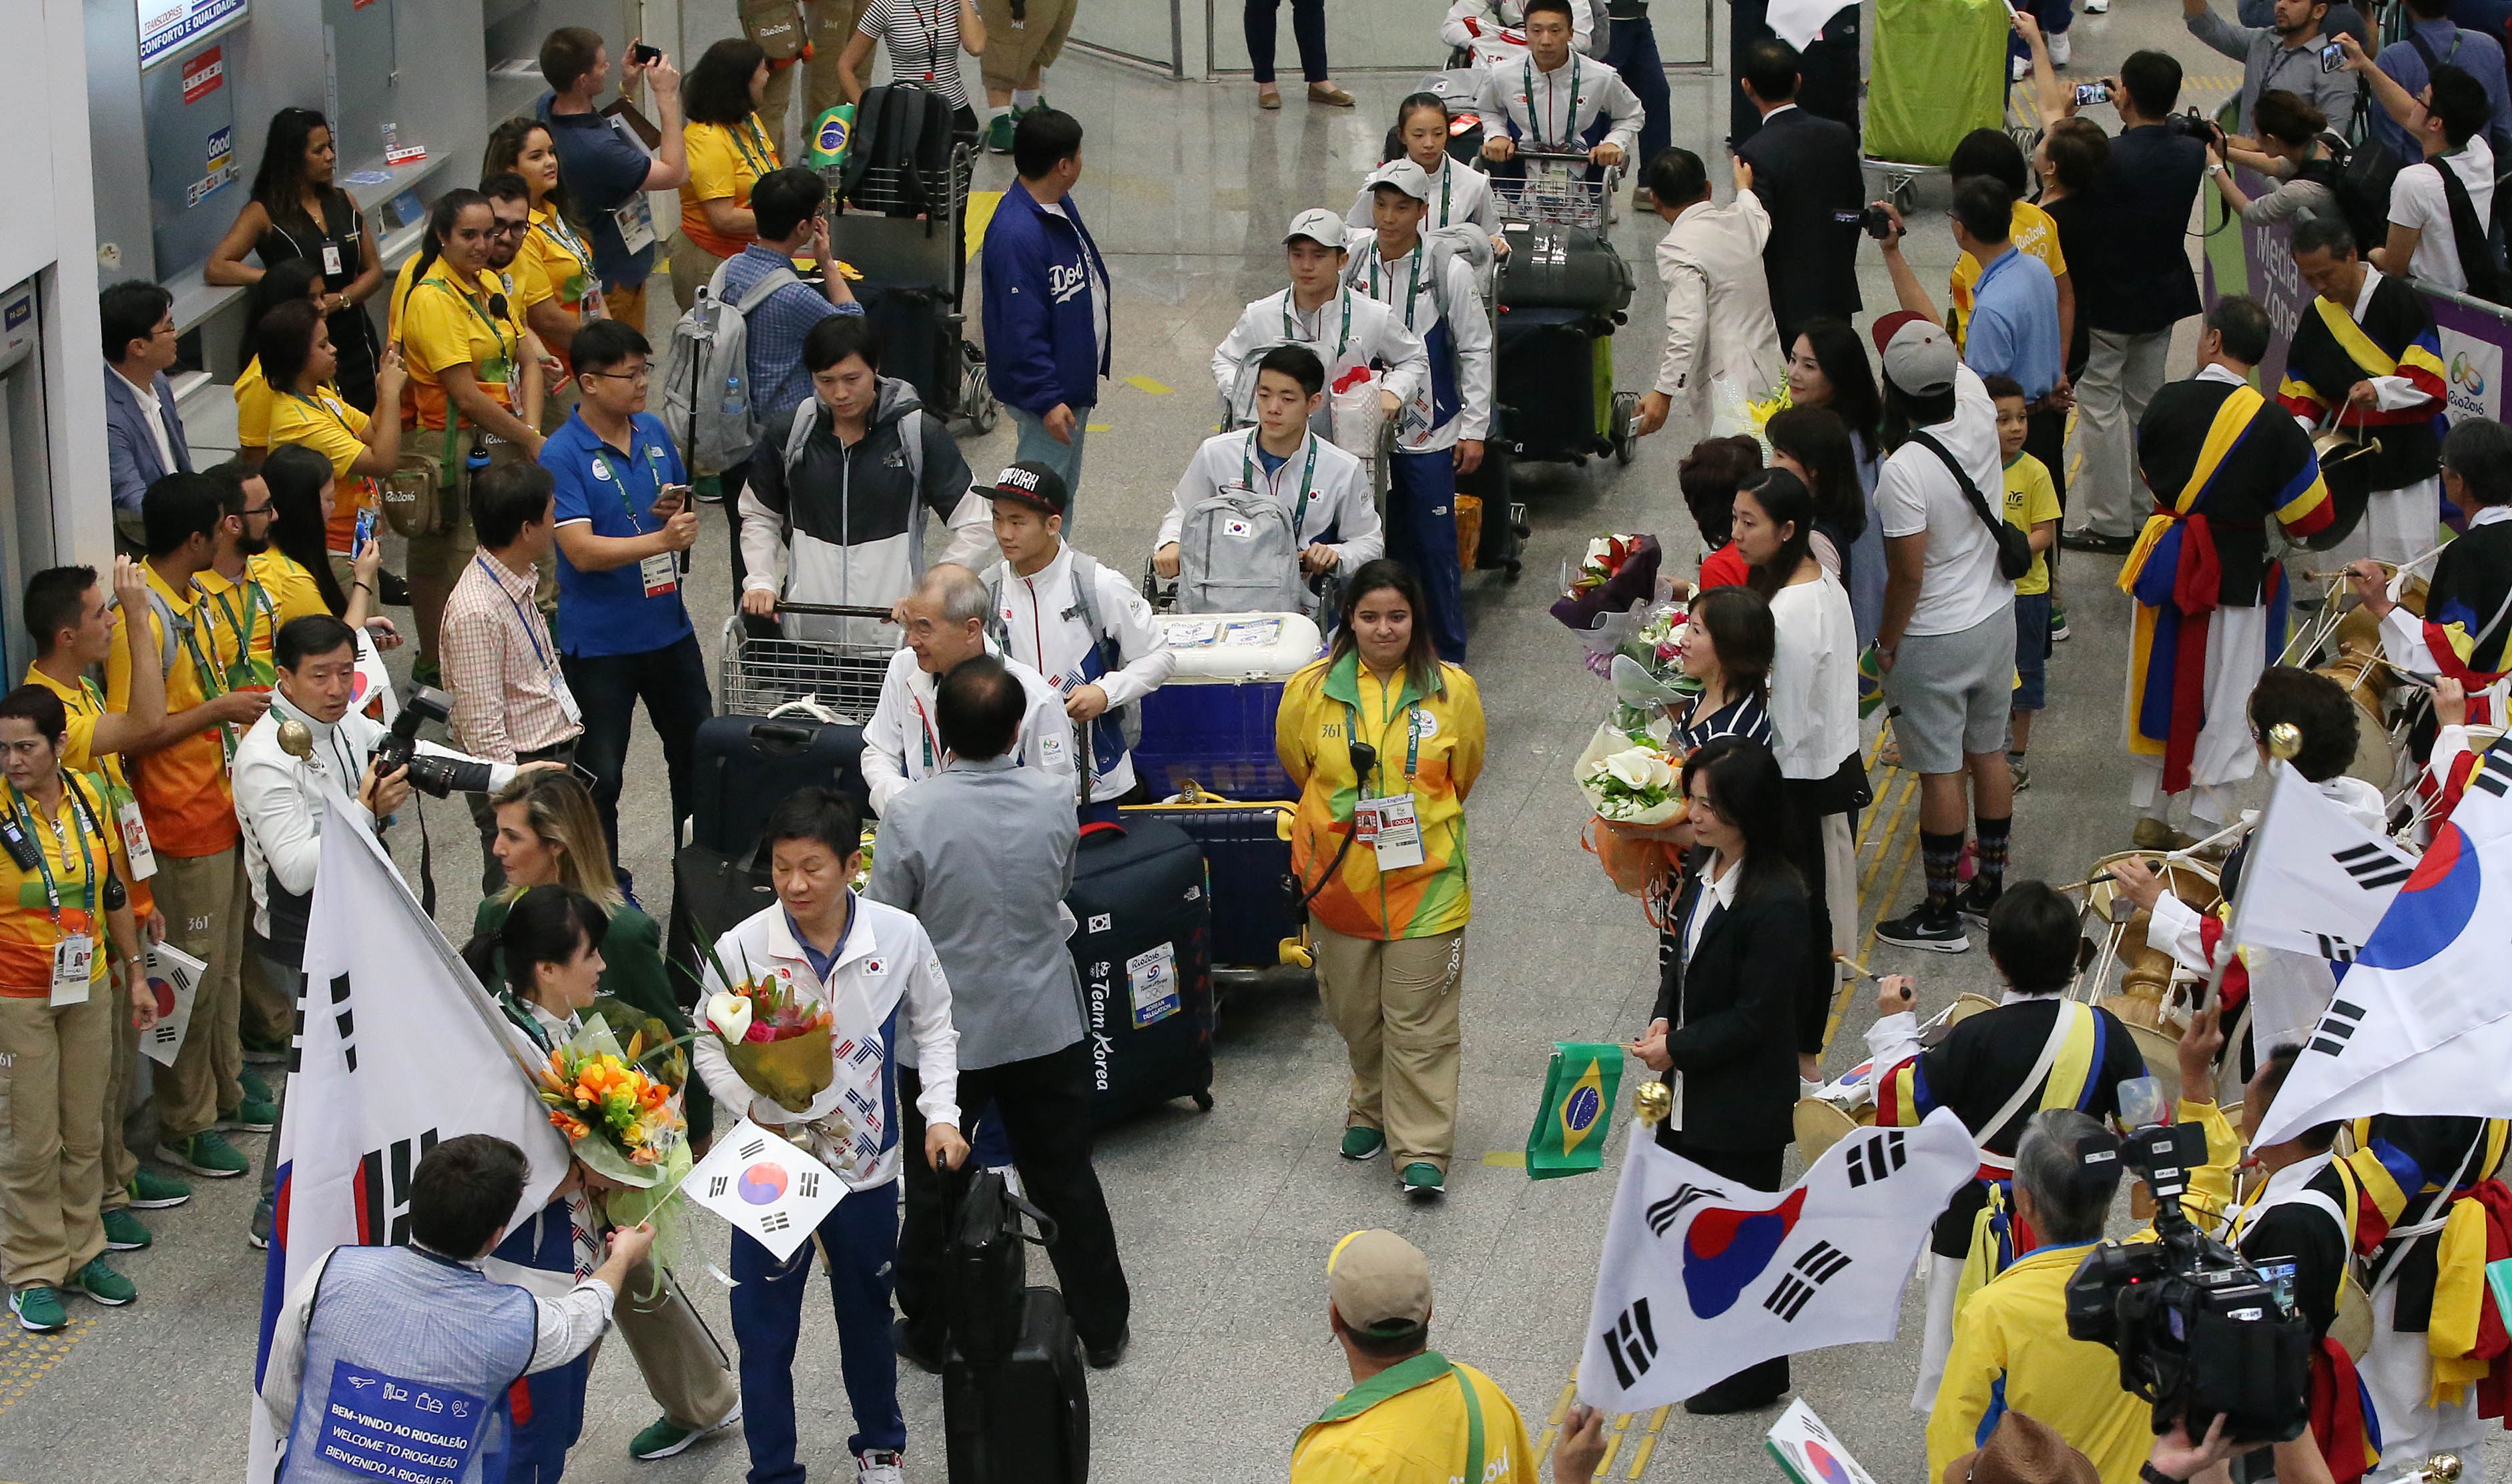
(2332, 58)
(2090, 94)
(365, 534)
(644, 55)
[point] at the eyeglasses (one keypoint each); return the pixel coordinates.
(505, 228)
(640, 374)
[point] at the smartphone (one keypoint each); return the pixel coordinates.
(671, 493)
(2332, 58)
(366, 532)
(644, 55)
(2090, 94)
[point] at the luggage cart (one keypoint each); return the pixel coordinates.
(1558, 192)
(1938, 70)
(915, 266)
(759, 675)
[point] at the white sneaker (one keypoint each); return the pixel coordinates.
(2060, 49)
(878, 1468)
(2097, 7)
(2018, 68)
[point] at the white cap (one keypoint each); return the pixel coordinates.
(1318, 225)
(1405, 175)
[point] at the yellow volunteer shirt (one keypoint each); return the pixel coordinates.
(2032, 231)
(328, 424)
(523, 282)
(83, 704)
(1414, 1436)
(79, 846)
(724, 163)
(252, 407)
(183, 791)
(291, 588)
(236, 622)
(443, 325)
(565, 256)
(2030, 500)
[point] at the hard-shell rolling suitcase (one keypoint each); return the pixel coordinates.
(1247, 869)
(1143, 942)
(1545, 383)
(748, 766)
(1024, 1418)
(920, 339)
(1552, 266)
(1211, 725)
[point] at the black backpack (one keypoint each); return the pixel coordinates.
(2359, 177)
(898, 163)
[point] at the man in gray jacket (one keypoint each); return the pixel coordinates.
(982, 853)
(2285, 54)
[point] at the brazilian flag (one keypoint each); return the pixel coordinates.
(1570, 1126)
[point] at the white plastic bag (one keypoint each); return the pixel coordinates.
(1357, 413)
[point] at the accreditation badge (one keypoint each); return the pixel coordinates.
(73, 969)
(661, 572)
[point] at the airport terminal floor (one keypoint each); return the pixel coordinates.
(1224, 1218)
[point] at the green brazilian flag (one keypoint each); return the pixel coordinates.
(1570, 1126)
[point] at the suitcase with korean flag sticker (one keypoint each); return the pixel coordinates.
(1142, 941)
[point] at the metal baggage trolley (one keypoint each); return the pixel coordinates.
(903, 248)
(760, 675)
(1558, 191)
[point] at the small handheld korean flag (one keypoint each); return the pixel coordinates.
(175, 977)
(1806, 1449)
(1701, 1276)
(764, 1187)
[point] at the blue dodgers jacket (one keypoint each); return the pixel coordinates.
(1042, 336)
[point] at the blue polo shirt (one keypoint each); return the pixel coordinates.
(604, 169)
(2014, 326)
(614, 490)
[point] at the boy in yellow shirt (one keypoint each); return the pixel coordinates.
(2031, 507)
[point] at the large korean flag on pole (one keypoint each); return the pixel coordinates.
(398, 1048)
(2421, 1021)
(1701, 1278)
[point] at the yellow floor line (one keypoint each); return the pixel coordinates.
(26, 1358)
(1142, 383)
(1892, 827)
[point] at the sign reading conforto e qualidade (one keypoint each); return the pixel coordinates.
(167, 27)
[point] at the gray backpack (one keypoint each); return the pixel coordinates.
(1239, 552)
(707, 395)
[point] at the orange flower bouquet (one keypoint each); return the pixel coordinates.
(620, 1122)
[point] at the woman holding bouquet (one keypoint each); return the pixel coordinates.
(1814, 729)
(548, 836)
(1384, 742)
(1725, 1016)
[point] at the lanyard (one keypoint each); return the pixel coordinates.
(520, 616)
(932, 33)
(653, 466)
(1343, 337)
(242, 630)
(61, 843)
(1570, 120)
(1412, 288)
(1272, 486)
(1412, 740)
(327, 407)
(932, 748)
(496, 328)
(557, 230)
(757, 162)
(1447, 177)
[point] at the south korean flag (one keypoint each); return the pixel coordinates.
(2315, 879)
(1701, 1278)
(764, 1187)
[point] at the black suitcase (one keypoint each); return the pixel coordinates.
(712, 894)
(1143, 942)
(1544, 363)
(1502, 541)
(1024, 1418)
(748, 766)
(1562, 267)
(1247, 868)
(919, 340)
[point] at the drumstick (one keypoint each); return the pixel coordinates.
(1855, 967)
(2417, 677)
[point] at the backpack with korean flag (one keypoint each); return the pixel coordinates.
(1239, 552)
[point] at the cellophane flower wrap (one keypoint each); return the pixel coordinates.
(622, 1120)
(779, 1042)
(1604, 557)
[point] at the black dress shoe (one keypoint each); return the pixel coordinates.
(1727, 1398)
(912, 1349)
(2096, 542)
(1102, 1356)
(393, 593)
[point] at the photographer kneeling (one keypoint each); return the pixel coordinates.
(310, 739)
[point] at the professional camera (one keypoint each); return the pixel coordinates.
(436, 777)
(1874, 221)
(2194, 125)
(2199, 1330)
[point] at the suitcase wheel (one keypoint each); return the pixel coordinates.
(976, 396)
(1626, 407)
(1203, 1102)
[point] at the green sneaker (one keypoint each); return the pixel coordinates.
(206, 1154)
(666, 1437)
(38, 1308)
(123, 1231)
(998, 135)
(426, 672)
(1421, 1177)
(257, 1088)
(151, 1192)
(253, 1116)
(99, 1281)
(1362, 1142)
(2058, 621)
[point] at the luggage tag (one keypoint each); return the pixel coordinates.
(662, 574)
(134, 839)
(1389, 826)
(331, 260)
(74, 968)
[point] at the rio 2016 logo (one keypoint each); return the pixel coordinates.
(2465, 376)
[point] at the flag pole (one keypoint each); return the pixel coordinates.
(2284, 741)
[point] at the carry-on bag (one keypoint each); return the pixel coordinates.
(1024, 1418)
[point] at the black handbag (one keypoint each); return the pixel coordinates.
(2014, 547)
(981, 1302)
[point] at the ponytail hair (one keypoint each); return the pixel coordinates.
(547, 924)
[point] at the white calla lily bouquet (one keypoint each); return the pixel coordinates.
(1638, 785)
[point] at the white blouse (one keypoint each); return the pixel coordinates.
(1814, 679)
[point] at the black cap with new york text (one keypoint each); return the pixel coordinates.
(1034, 485)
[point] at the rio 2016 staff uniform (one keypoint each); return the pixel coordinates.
(902, 743)
(1433, 291)
(1349, 332)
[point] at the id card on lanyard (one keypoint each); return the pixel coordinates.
(125, 807)
(73, 954)
(1569, 119)
(1386, 824)
(208, 676)
(533, 629)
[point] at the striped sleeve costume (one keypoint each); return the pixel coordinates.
(2433, 1212)
(2222, 464)
(2331, 351)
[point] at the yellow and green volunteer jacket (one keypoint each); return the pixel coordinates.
(2011, 1353)
(1437, 740)
(1425, 1421)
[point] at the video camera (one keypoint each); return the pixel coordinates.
(436, 777)
(2199, 1330)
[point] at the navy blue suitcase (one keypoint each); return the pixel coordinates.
(1247, 869)
(748, 766)
(1142, 941)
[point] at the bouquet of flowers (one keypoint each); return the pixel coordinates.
(1736, 413)
(620, 1120)
(1637, 785)
(1604, 558)
(779, 1044)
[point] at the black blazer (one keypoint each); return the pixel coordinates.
(2143, 280)
(1732, 1014)
(1806, 170)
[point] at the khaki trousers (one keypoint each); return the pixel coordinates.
(828, 25)
(207, 904)
(627, 305)
(122, 1070)
(686, 1369)
(692, 267)
(52, 1134)
(1395, 1004)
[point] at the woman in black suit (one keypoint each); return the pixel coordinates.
(1725, 1026)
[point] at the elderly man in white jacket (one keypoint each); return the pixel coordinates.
(946, 623)
(1718, 324)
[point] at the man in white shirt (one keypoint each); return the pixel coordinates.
(1349, 332)
(143, 432)
(1323, 492)
(2448, 124)
(1547, 101)
(1717, 299)
(1947, 643)
(945, 619)
(1078, 623)
(382, 1315)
